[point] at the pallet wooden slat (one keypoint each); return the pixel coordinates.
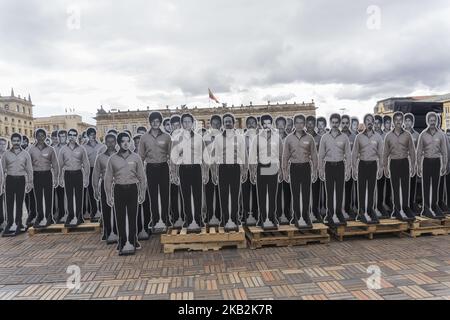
(358, 228)
(287, 235)
(60, 228)
(426, 226)
(208, 239)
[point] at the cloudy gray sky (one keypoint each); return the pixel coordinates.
(138, 53)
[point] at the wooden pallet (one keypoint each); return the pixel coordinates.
(427, 226)
(209, 239)
(358, 228)
(60, 228)
(287, 236)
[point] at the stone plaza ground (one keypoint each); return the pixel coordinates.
(35, 267)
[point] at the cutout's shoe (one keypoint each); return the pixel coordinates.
(438, 212)
(426, 212)
(112, 239)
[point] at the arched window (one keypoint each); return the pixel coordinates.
(6, 107)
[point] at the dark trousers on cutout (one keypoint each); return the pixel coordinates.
(176, 204)
(158, 182)
(249, 202)
(30, 204)
(43, 193)
(191, 185)
(229, 185)
(334, 180)
(73, 185)
(400, 178)
(58, 203)
(212, 200)
(267, 189)
(93, 208)
(430, 177)
(109, 221)
(14, 193)
(367, 178)
(126, 206)
(301, 185)
(284, 194)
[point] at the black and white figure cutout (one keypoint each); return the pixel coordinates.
(367, 156)
(265, 171)
(176, 201)
(229, 172)
(315, 186)
(190, 157)
(300, 170)
(432, 161)
(18, 173)
(74, 177)
(154, 150)
(45, 173)
(284, 206)
(409, 126)
(212, 200)
(334, 168)
(93, 148)
(30, 201)
(249, 193)
(59, 206)
(125, 185)
(350, 185)
(3, 149)
(321, 130)
(399, 162)
(98, 176)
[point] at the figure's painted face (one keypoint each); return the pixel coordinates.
(408, 123)
(16, 142)
(62, 138)
(377, 124)
(289, 125)
(432, 121)
(281, 125)
(368, 122)
(299, 124)
(310, 125)
(168, 127)
(55, 140)
(398, 122)
(388, 124)
(321, 125)
(355, 125)
(110, 142)
(228, 123)
(335, 123)
(92, 137)
(251, 124)
(345, 124)
(267, 124)
(3, 145)
(40, 136)
(72, 136)
(125, 144)
(188, 123)
(216, 123)
(156, 123)
(176, 126)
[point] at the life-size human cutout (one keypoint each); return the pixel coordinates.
(45, 173)
(176, 201)
(284, 214)
(431, 165)
(384, 191)
(229, 172)
(93, 148)
(191, 158)
(212, 200)
(350, 185)
(409, 126)
(144, 211)
(59, 206)
(367, 162)
(18, 173)
(265, 170)
(334, 168)
(167, 126)
(321, 130)
(3, 148)
(98, 184)
(74, 177)
(316, 185)
(125, 185)
(300, 170)
(399, 162)
(30, 201)
(249, 193)
(442, 197)
(154, 149)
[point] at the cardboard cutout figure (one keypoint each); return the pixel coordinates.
(93, 147)
(350, 185)
(18, 172)
(367, 165)
(45, 173)
(212, 200)
(334, 169)
(399, 162)
(249, 193)
(432, 161)
(384, 197)
(230, 171)
(176, 201)
(300, 170)
(60, 211)
(316, 188)
(284, 213)
(154, 149)
(30, 201)
(3, 148)
(98, 184)
(190, 157)
(446, 202)
(409, 126)
(125, 185)
(74, 177)
(265, 167)
(321, 130)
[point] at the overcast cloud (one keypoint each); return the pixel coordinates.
(138, 53)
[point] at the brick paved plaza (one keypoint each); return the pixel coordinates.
(35, 268)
